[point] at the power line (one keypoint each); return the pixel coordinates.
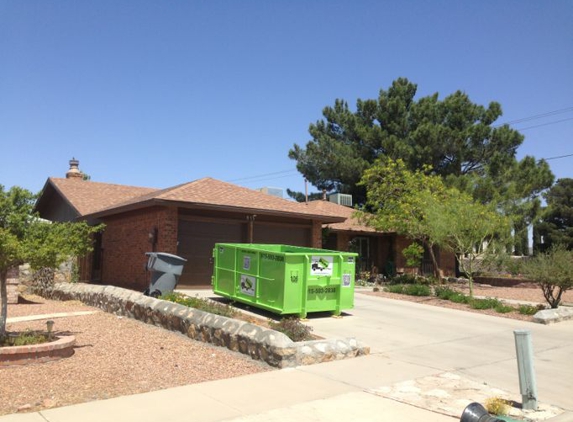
(545, 124)
(264, 175)
(537, 116)
(557, 157)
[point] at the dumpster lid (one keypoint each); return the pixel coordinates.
(164, 254)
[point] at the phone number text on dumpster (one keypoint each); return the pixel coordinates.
(321, 290)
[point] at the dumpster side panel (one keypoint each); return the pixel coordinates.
(224, 259)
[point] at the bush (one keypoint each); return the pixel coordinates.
(292, 328)
(445, 292)
(417, 290)
(409, 289)
(25, 338)
(529, 309)
(394, 288)
(553, 272)
(504, 309)
(404, 279)
(488, 303)
(497, 406)
(200, 304)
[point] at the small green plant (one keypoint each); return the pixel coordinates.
(292, 328)
(394, 288)
(529, 309)
(409, 289)
(417, 290)
(413, 254)
(487, 303)
(497, 406)
(504, 309)
(404, 279)
(200, 304)
(450, 294)
(25, 338)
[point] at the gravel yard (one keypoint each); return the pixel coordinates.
(114, 356)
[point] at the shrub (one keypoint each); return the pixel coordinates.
(404, 279)
(529, 309)
(497, 406)
(409, 289)
(488, 303)
(417, 290)
(553, 272)
(394, 288)
(444, 292)
(25, 338)
(504, 309)
(200, 304)
(292, 328)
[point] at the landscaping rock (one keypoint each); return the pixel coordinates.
(270, 346)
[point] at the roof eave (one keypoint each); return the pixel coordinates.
(197, 205)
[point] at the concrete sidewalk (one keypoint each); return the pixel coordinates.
(287, 395)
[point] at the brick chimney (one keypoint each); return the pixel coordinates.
(74, 171)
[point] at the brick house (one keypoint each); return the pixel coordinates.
(186, 220)
(382, 250)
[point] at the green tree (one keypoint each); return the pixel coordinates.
(474, 232)
(454, 137)
(26, 238)
(556, 222)
(398, 200)
(553, 271)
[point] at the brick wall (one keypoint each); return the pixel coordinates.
(316, 234)
(128, 237)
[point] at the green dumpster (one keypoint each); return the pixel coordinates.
(285, 279)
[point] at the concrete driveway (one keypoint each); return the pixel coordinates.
(417, 340)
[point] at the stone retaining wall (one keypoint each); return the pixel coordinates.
(259, 343)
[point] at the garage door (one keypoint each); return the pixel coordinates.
(196, 242)
(279, 234)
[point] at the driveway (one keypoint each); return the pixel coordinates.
(421, 340)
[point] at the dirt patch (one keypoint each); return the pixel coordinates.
(114, 356)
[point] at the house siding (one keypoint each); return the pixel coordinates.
(126, 239)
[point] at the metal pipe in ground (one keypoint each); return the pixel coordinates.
(527, 383)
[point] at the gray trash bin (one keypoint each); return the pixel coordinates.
(165, 271)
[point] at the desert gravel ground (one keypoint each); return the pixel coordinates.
(114, 356)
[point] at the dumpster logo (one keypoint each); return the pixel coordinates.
(248, 285)
(321, 265)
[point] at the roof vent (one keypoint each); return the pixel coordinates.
(74, 171)
(341, 199)
(278, 192)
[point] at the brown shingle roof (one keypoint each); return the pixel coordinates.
(350, 224)
(89, 197)
(210, 193)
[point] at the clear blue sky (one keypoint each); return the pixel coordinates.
(157, 93)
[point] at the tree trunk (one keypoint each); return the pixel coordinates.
(4, 302)
(437, 271)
